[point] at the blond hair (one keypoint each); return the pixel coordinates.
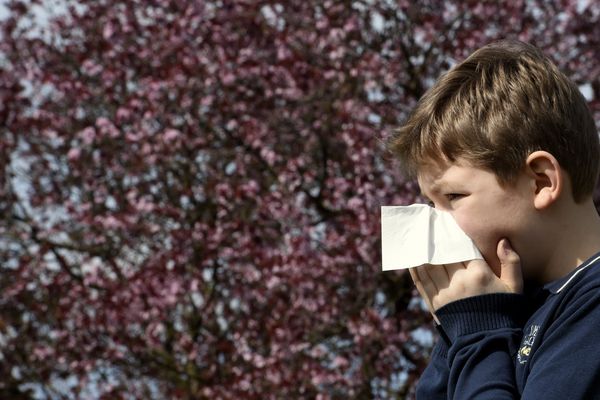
(502, 103)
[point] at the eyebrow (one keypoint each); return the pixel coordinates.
(435, 187)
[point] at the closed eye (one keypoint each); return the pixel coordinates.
(453, 196)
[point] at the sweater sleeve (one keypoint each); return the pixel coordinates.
(434, 380)
(485, 332)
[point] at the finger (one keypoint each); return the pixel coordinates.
(416, 281)
(452, 269)
(428, 284)
(413, 275)
(419, 284)
(439, 276)
(456, 266)
(510, 266)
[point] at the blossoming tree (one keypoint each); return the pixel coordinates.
(190, 190)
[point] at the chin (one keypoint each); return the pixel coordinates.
(530, 277)
(491, 258)
(495, 266)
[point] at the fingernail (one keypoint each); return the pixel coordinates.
(507, 247)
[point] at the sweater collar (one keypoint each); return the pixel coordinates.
(559, 284)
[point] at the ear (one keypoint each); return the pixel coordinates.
(546, 176)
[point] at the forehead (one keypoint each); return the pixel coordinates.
(434, 175)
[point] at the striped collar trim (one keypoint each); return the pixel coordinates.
(564, 282)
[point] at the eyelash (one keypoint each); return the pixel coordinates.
(453, 196)
(449, 196)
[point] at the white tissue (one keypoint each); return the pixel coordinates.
(418, 234)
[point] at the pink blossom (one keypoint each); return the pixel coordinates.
(228, 78)
(123, 113)
(74, 154)
(171, 135)
(91, 68)
(87, 135)
(42, 352)
(340, 362)
(108, 31)
(110, 222)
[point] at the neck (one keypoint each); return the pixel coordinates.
(576, 239)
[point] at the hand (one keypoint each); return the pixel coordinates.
(442, 284)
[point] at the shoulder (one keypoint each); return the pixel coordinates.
(584, 278)
(577, 295)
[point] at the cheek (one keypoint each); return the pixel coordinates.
(474, 228)
(484, 233)
(486, 226)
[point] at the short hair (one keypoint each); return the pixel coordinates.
(502, 103)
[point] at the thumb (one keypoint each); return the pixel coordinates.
(510, 267)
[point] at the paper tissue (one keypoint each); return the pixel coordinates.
(419, 234)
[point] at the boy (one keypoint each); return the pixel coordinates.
(506, 144)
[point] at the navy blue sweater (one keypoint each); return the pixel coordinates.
(544, 345)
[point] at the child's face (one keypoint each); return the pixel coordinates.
(486, 211)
